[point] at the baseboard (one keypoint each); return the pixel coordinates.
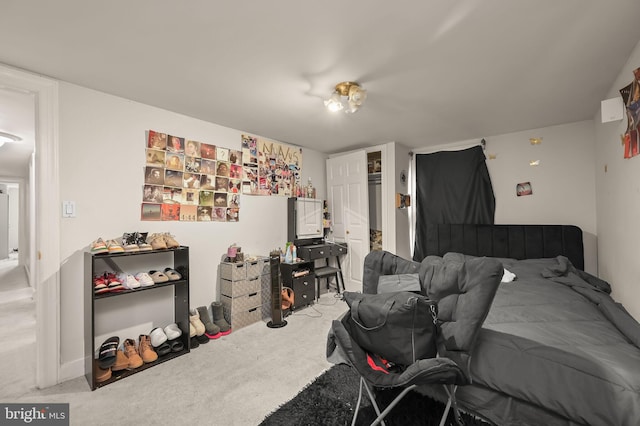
(71, 370)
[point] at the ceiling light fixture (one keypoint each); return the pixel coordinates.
(354, 94)
(8, 137)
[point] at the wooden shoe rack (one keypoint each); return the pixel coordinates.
(129, 313)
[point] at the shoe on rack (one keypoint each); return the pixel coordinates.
(129, 242)
(122, 362)
(158, 277)
(157, 337)
(163, 349)
(192, 330)
(128, 281)
(172, 331)
(114, 247)
(210, 329)
(176, 345)
(100, 285)
(217, 312)
(108, 351)
(130, 351)
(170, 241)
(194, 319)
(157, 242)
(141, 240)
(113, 282)
(146, 350)
(172, 274)
(144, 279)
(99, 247)
(101, 374)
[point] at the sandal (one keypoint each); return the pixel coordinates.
(108, 352)
(172, 274)
(101, 374)
(176, 345)
(163, 349)
(158, 277)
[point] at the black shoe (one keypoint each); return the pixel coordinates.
(193, 342)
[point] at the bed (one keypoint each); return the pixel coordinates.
(555, 348)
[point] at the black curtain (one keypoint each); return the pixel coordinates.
(452, 187)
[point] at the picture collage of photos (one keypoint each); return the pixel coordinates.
(270, 168)
(190, 181)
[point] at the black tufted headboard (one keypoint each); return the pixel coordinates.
(512, 241)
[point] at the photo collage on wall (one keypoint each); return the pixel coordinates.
(270, 168)
(190, 181)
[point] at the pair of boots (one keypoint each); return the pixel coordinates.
(212, 329)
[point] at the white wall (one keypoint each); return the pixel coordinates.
(403, 223)
(618, 202)
(563, 183)
(102, 155)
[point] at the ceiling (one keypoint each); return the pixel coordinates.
(436, 71)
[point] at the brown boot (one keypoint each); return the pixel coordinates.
(146, 350)
(132, 354)
(122, 362)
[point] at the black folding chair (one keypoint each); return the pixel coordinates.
(464, 290)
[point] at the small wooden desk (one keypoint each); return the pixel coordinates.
(326, 251)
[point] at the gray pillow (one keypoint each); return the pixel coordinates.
(401, 282)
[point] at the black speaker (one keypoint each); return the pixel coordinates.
(276, 292)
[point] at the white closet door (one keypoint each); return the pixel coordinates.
(348, 198)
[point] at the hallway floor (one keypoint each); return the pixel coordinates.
(17, 330)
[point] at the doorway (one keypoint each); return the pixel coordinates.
(43, 234)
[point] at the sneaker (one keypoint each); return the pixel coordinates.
(129, 242)
(157, 242)
(128, 281)
(129, 349)
(113, 282)
(100, 285)
(114, 247)
(144, 279)
(99, 247)
(141, 240)
(146, 350)
(170, 241)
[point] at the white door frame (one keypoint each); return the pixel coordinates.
(45, 229)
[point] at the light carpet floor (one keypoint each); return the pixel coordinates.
(235, 380)
(17, 330)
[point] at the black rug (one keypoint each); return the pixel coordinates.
(331, 399)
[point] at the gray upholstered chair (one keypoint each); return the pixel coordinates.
(464, 289)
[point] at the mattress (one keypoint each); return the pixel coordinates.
(555, 349)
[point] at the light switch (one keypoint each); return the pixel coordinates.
(68, 209)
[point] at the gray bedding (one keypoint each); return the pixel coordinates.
(555, 349)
